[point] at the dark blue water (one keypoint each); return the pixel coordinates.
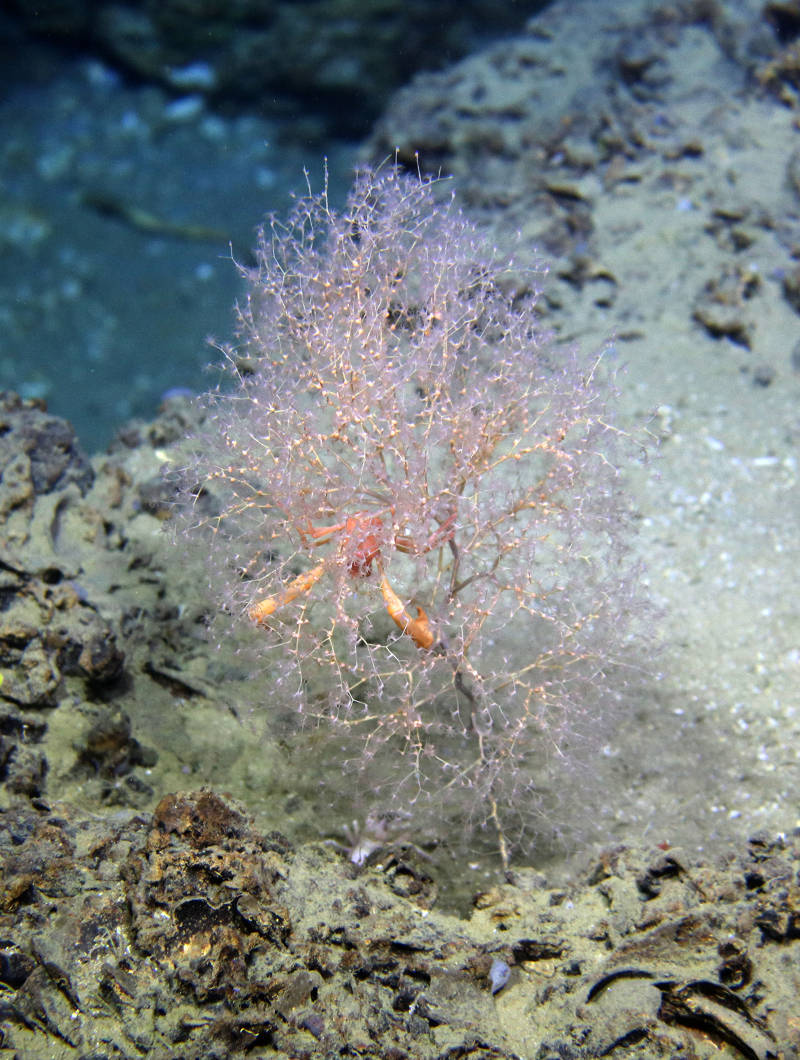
(122, 209)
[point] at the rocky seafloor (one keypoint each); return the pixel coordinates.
(651, 155)
(135, 922)
(188, 933)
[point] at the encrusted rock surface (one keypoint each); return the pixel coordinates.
(75, 583)
(187, 933)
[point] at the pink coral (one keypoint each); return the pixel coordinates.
(396, 417)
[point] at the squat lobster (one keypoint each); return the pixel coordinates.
(359, 548)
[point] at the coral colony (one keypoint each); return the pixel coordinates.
(412, 494)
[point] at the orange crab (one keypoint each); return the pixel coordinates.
(359, 538)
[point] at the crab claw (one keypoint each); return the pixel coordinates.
(301, 584)
(418, 628)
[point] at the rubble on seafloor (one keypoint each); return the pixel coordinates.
(186, 933)
(138, 923)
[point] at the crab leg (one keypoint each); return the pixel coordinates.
(445, 532)
(301, 584)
